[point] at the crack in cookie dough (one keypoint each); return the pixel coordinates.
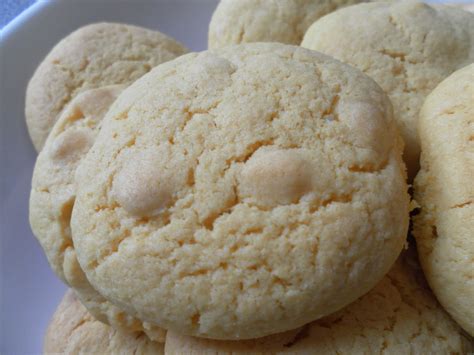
(233, 149)
(462, 205)
(406, 47)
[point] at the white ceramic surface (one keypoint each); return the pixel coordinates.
(29, 292)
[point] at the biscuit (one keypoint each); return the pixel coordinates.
(407, 47)
(243, 21)
(398, 316)
(73, 330)
(95, 55)
(444, 189)
(242, 192)
(53, 194)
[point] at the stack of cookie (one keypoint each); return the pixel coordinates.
(253, 198)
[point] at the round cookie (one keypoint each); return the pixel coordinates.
(52, 187)
(398, 316)
(407, 47)
(73, 330)
(444, 189)
(95, 55)
(215, 205)
(53, 194)
(243, 21)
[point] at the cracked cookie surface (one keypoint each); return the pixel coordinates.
(53, 195)
(407, 47)
(95, 55)
(73, 330)
(243, 21)
(399, 316)
(444, 189)
(242, 192)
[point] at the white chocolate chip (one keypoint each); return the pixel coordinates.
(71, 145)
(275, 177)
(143, 186)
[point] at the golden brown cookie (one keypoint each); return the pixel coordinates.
(242, 192)
(95, 55)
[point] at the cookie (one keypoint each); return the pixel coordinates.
(73, 330)
(53, 194)
(399, 316)
(242, 192)
(407, 47)
(243, 21)
(444, 189)
(95, 55)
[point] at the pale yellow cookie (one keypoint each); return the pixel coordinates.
(285, 21)
(407, 47)
(399, 316)
(53, 191)
(53, 194)
(242, 192)
(73, 330)
(95, 55)
(444, 189)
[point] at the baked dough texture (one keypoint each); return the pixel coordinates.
(407, 47)
(285, 21)
(73, 330)
(53, 194)
(95, 55)
(444, 189)
(398, 316)
(242, 192)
